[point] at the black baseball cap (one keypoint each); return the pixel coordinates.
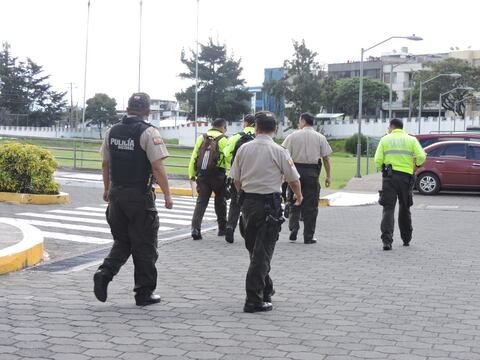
(249, 119)
(139, 102)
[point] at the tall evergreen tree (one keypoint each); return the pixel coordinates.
(301, 85)
(220, 87)
(25, 90)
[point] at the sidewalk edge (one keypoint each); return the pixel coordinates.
(27, 252)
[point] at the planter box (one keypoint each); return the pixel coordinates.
(38, 199)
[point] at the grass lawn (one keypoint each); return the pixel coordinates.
(343, 164)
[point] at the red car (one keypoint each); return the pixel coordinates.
(429, 139)
(450, 165)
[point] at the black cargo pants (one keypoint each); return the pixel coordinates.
(308, 210)
(206, 184)
(133, 220)
(233, 210)
(399, 185)
(260, 238)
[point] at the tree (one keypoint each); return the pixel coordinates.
(220, 88)
(328, 93)
(26, 91)
(432, 90)
(346, 95)
(101, 111)
(301, 86)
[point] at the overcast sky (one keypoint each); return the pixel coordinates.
(52, 33)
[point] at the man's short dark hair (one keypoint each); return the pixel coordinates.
(249, 119)
(308, 118)
(396, 123)
(139, 102)
(219, 123)
(265, 121)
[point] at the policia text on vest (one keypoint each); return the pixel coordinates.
(132, 152)
(397, 155)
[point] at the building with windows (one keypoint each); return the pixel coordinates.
(256, 101)
(271, 103)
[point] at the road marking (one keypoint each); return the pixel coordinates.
(161, 214)
(75, 238)
(60, 225)
(74, 212)
(78, 227)
(441, 207)
(174, 221)
(67, 218)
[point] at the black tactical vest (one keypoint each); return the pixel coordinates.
(129, 165)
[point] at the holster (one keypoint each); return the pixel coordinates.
(387, 170)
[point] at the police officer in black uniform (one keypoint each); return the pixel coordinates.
(258, 170)
(132, 152)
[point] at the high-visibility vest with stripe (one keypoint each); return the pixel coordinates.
(400, 150)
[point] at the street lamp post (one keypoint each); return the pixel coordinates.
(140, 46)
(85, 72)
(196, 76)
(468, 88)
(360, 94)
(453, 75)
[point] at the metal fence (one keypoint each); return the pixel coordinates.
(79, 149)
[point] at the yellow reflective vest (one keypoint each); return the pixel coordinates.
(400, 150)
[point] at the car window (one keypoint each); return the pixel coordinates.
(456, 150)
(473, 152)
(436, 151)
(428, 141)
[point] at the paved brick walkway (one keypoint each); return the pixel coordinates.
(342, 298)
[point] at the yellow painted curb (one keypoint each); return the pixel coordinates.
(177, 191)
(323, 202)
(27, 252)
(38, 199)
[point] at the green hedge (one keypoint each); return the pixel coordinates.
(27, 169)
(351, 145)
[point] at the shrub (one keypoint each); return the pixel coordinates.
(27, 169)
(351, 144)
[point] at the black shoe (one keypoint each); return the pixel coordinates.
(387, 247)
(196, 234)
(100, 285)
(229, 235)
(406, 243)
(147, 299)
(252, 307)
(221, 232)
(293, 235)
(311, 241)
(268, 297)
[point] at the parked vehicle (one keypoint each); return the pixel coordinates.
(429, 139)
(450, 165)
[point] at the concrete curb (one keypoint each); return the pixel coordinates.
(37, 199)
(27, 252)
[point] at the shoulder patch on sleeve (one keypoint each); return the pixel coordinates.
(157, 140)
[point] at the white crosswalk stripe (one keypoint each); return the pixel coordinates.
(87, 224)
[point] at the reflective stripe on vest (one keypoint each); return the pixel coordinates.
(402, 152)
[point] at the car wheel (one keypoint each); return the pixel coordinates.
(428, 184)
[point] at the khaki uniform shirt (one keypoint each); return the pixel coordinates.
(150, 141)
(261, 164)
(307, 146)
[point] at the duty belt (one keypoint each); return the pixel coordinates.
(307, 166)
(256, 196)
